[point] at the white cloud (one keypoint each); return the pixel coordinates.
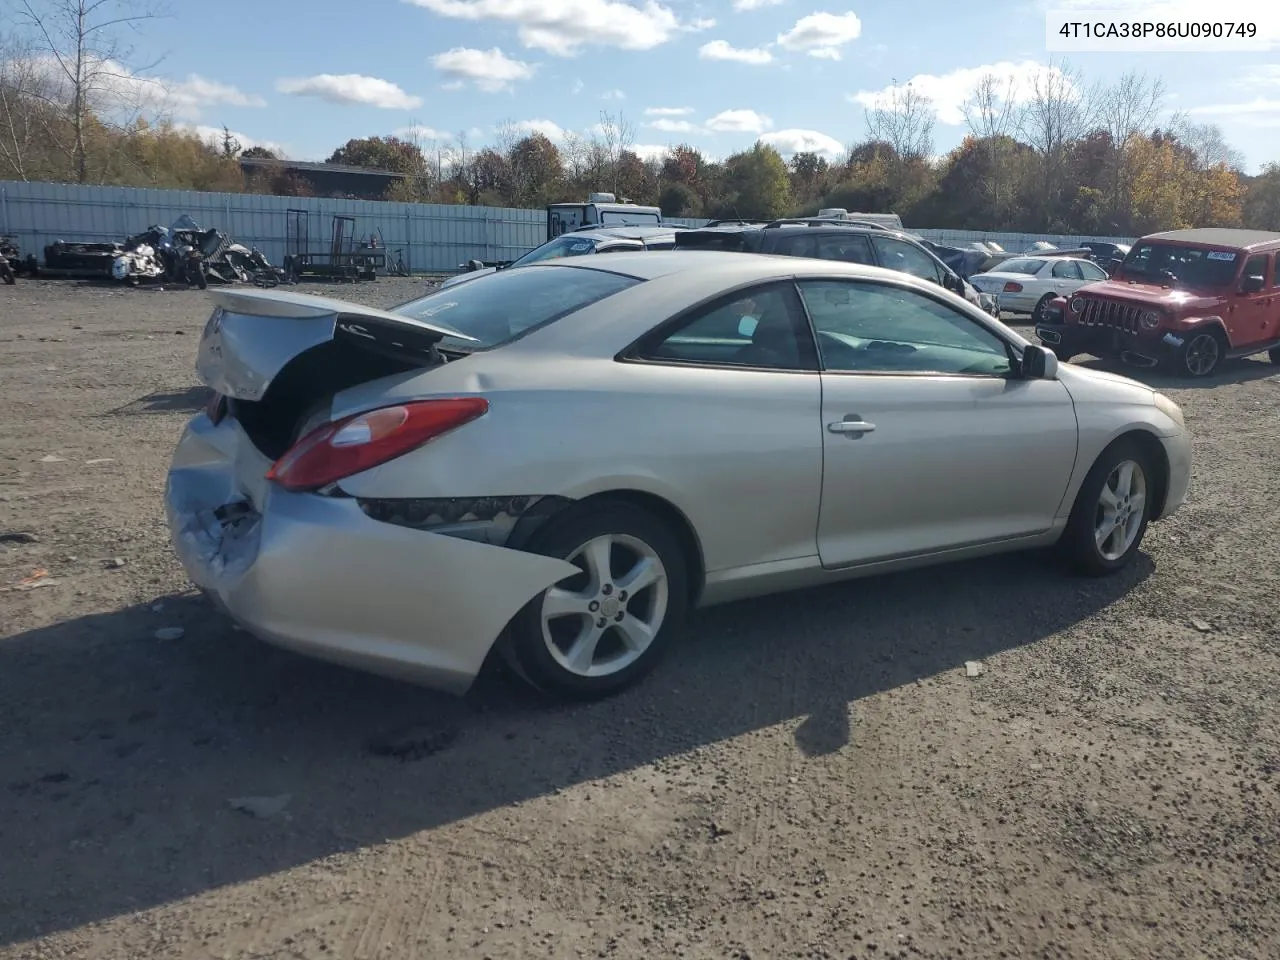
(949, 91)
(741, 5)
(577, 87)
(549, 129)
(721, 50)
(669, 125)
(792, 141)
(351, 88)
(214, 135)
(739, 121)
(1260, 77)
(822, 34)
(417, 133)
(489, 70)
(1258, 112)
(195, 93)
(564, 27)
(667, 111)
(649, 151)
(613, 95)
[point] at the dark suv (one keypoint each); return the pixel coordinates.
(834, 240)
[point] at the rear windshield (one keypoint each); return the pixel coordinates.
(1020, 265)
(562, 246)
(1181, 266)
(502, 306)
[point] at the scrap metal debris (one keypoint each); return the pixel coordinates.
(974, 669)
(34, 580)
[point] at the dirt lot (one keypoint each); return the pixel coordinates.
(809, 776)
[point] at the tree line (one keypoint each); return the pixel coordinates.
(1056, 155)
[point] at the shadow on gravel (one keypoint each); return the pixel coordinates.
(165, 401)
(122, 751)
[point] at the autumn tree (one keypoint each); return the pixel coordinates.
(755, 185)
(1262, 204)
(381, 153)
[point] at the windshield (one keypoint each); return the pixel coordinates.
(559, 247)
(502, 306)
(1020, 265)
(1188, 266)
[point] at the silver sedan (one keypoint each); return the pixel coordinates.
(554, 464)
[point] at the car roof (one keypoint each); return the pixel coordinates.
(1219, 237)
(636, 232)
(660, 263)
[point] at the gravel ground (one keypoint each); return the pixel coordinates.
(811, 775)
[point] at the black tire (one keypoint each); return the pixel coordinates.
(526, 649)
(1190, 357)
(1274, 355)
(1037, 312)
(1079, 544)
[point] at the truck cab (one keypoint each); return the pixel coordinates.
(602, 210)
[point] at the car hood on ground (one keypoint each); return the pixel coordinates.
(1152, 294)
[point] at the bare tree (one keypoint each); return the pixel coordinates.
(991, 114)
(904, 120)
(81, 39)
(617, 136)
(1057, 113)
(1207, 143)
(22, 93)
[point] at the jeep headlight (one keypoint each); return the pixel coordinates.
(1150, 320)
(1077, 304)
(1170, 409)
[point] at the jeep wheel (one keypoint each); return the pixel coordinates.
(1202, 354)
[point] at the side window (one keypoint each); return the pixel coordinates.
(796, 246)
(906, 258)
(1067, 269)
(849, 247)
(1275, 274)
(756, 328)
(1255, 266)
(867, 327)
(1092, 271)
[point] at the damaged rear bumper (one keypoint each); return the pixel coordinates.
(316, 575)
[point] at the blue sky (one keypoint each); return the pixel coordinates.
(714, 73)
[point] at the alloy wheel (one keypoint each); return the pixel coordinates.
(603, 620)
(1120, 510)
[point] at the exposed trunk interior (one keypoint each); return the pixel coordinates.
(360, 352)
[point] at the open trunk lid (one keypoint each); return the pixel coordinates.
(253, 334)
(279, 357)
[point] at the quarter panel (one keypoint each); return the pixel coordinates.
(739, 452)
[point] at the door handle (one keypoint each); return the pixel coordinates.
(855, 426)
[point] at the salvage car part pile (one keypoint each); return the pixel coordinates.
(12, 262)
(180, 252)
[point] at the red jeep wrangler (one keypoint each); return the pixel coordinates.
(1184, 300)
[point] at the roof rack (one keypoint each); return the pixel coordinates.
(734, 221)
(822, 222)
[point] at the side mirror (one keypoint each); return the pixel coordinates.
(1038, 363)
(1253, 284)
(473, 265)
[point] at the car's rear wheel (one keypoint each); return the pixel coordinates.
(1111, 511)
(603, 629)
(1202, 354)
(1037, 313)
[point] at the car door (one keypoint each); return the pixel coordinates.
(930, 444)
(1062, 277)
(1250, 318)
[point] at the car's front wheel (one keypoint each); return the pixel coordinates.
(1111, 511)
(1202, 354)
(604, 628)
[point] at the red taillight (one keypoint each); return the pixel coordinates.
(1012, 287)
(346, 447)
(216, 408)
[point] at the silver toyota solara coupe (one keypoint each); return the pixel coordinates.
(555, 463)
